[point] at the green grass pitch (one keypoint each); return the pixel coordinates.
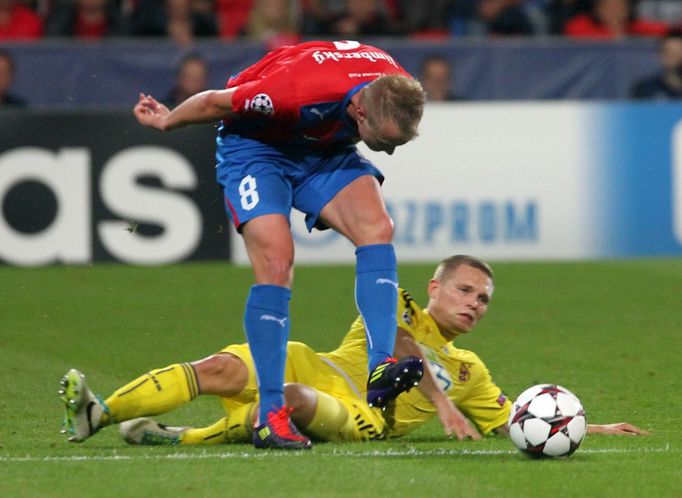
(609, 331)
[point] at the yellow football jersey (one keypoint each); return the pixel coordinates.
(460, 373)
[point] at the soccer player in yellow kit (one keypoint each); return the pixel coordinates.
(325, 390)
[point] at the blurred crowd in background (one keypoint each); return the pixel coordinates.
(281, 22)
(277, 22)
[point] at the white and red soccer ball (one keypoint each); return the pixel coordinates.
(547, 421)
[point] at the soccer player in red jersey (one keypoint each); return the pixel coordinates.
(289, 125)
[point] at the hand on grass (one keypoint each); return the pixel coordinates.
(454, 422)
(620, 428)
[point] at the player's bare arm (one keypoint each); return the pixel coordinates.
(620, 428)
(453, 421)
(617, 429)
(204, 107)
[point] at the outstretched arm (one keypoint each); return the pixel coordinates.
(454, 422)
(204, 107)
(621, 428)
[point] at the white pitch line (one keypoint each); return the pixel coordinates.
(411, 452)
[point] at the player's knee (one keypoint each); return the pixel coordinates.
(211, 369)
(221, 374)
(280, 268)
(378, 230)
(274, 268)
(385, 230)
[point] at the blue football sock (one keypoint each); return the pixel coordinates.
(266, 322)
(376, 296)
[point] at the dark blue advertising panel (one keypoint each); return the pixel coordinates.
(83, 187)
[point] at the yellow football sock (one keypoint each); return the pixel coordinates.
(239, 427)
(235, 428)
(331, 421)
(153, 393)
(213, 434)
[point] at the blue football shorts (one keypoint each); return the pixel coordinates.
(259, 179)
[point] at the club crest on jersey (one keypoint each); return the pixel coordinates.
(464, 372)
(262, 103)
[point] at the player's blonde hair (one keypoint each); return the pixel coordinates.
(448, 266)
(395, 98)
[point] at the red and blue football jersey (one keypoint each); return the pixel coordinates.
(298, 95)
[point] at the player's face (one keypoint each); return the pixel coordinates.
(436, 80)
(460, 300)
(385, 139)
(193, 77)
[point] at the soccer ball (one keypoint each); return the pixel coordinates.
(547, 421)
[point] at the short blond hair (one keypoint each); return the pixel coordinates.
(395, 98)
(448, 266)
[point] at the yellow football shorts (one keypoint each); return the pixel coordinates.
(337, 393)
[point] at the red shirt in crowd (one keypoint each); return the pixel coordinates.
(585, 26)
(22, 24)
(92, 30)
